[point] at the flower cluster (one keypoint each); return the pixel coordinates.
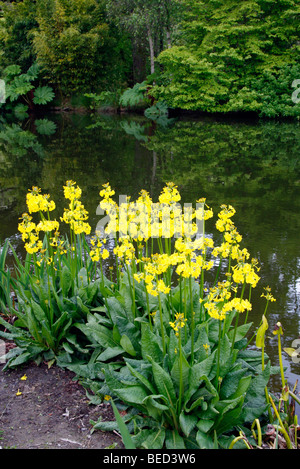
(144, 219)
(179, 323)
(75, 215)
(179, 258)
(37, 203)
(97, 253)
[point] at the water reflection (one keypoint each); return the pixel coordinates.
(253, 166)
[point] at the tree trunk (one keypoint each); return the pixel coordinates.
(169, 43)
(151, 47)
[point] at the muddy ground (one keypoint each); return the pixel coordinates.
(49, 410)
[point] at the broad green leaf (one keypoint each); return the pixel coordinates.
(194, 404)
(132, 394)
(45, 127)
(68, 348)
(12, 70)
(43, 95)
(227, 356)
(196, 375)
(174, 440)
(18, 87)
(39, 313)
(21, 111)
(150, 345)
(110, 352)
(33, 71)
(153, 408)
(164, 383)
(205, 425)
(66, 280)
(230, 412)
(155, 439)
(241, 332)
(204, 441)
(142, 378)
(187, 423)
(97, 333)
(242, 387)
(180, 370)
(125, 342)
(230, 383)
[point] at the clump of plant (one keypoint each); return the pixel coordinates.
(161, 334)
(23, 90)
(53, 286)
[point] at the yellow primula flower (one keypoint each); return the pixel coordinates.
(268, 295)
(71, 192)
(179, 323)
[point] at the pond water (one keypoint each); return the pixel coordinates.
(253, 166)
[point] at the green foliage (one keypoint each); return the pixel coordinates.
(48, 304)
(45, 127)
(43, 95)
(16, 27)
(104, 99)
(5, 281)
(74, 46)
(135, 96)
(16, 141)
(233, 56)
(20, 85)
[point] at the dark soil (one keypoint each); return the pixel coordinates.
(52, 411)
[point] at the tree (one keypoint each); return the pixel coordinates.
(226, 46)
(75, 46)
(153, 19)
(17, 21)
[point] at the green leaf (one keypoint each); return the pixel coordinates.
(20, 111)
(12, 70)
(145, 382)
(97, 333)
(152, 405)
(150, 345)
(18, 87)
(43, 95)
(132, 394)
(241, 332)
(197, 374)
(174, 440)
(164, 383)
(179, 370)
(66, 280)
(33, 71)
(230, 414)
(230, 383)
(155, 439)
(125, 342)
(127, 440)
(187, 423)
(205, 425)
(45, 127)
(110, 352)
(204, 441)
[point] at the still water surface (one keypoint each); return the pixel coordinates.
(253, 166)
